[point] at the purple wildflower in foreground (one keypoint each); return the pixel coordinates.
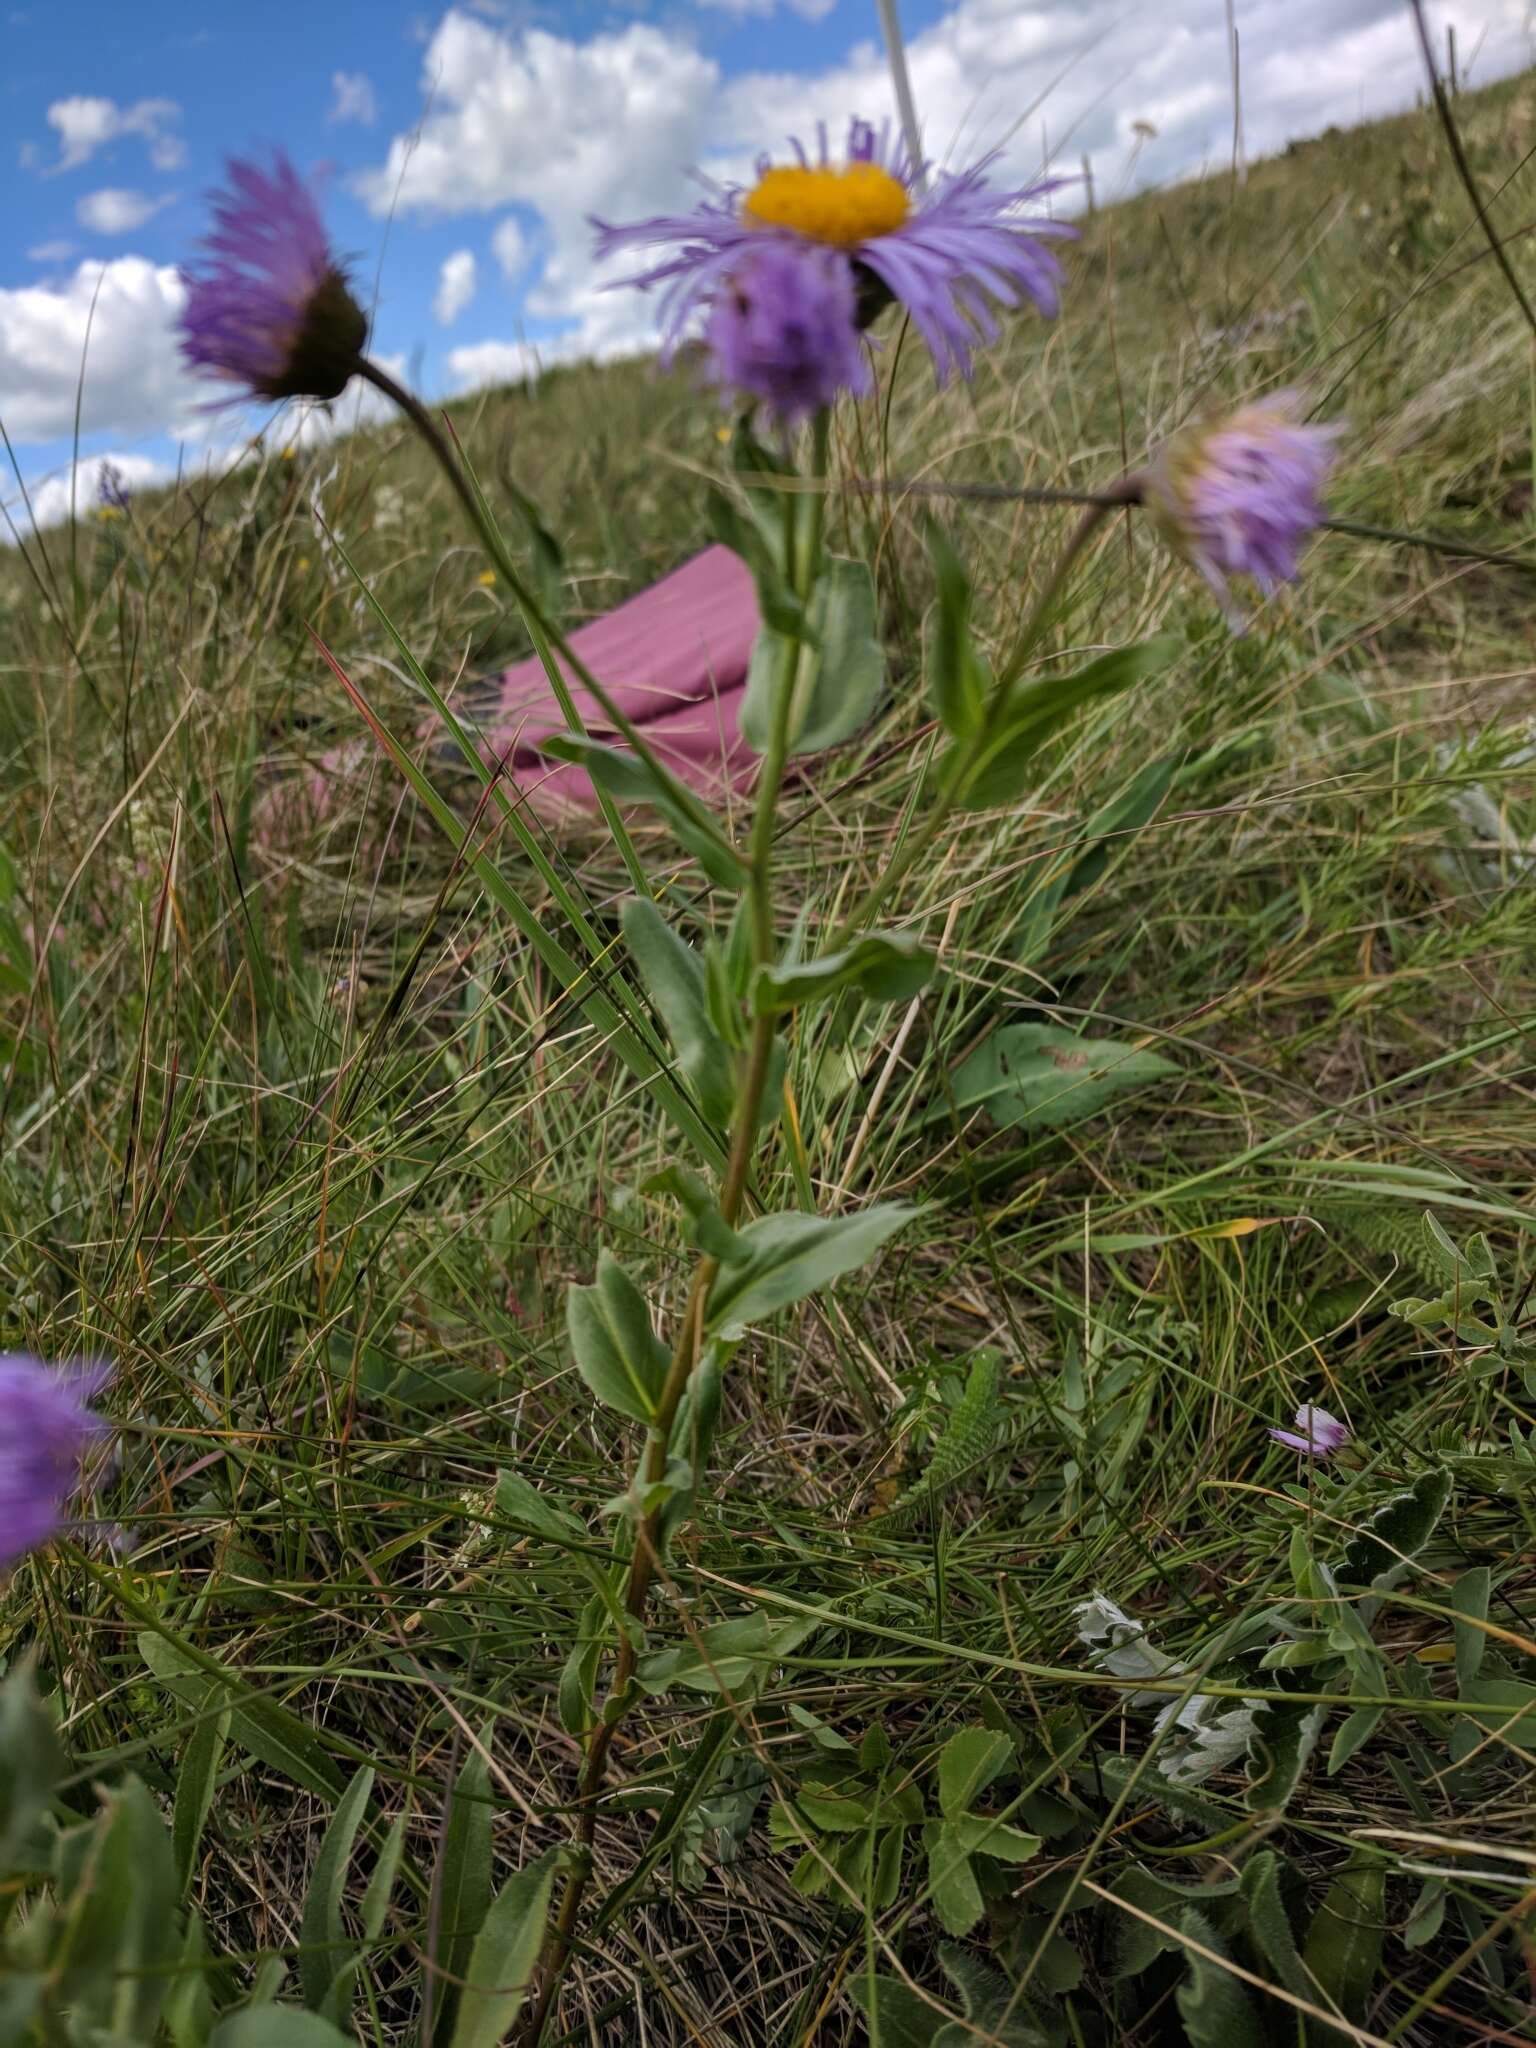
(943, 257)
(45, 1429)
(783, 327)
(1238, 496)
(269, 307)
(1317, 1433)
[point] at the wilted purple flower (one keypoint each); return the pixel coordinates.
(783, 327)
(1317, 1433)
(943, 256)
(270, 307)
(112, 491)
(45, 1429)
(1239, 495)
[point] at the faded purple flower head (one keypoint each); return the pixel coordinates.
(45, 1429)
(783, 328)
(112, 491)
(1317, 1433)
(1238, 496)
(947, 256)
(269, 306)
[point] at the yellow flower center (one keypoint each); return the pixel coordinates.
(843, 205)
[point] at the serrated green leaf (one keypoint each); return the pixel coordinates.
(838, 678)
(324, 1946)
(617, 1353)
(885, 967)
(1284, 1736)
(1269, 1923)
(898, 2018)
(968, 1763)
(969, 1432)
(956, 1896)
(630, 780)
(1216, 2009)
(1005, 766)
(791, 1255)
(1383, 1552)
(674, 976)
(505, 1955)
(1037, 1077)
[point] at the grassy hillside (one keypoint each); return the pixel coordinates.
(299, 1133)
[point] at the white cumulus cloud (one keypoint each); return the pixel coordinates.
(355, 99)
(78, 486)
(86, 124)
(512, 249)
(50, 252)
(455, 286)
(134, 379)
(116, 212)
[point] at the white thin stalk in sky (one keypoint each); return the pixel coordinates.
(896, 51)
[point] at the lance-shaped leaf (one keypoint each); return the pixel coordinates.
(885, 967)
(789, 1256)
(630, 780)
(618, 1354)
(674, 974)
(837, 680)
(958, 677)
(1038, 1077)
(1035, 711)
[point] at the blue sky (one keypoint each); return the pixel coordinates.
(462, 148)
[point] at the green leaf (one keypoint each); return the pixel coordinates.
(273, 1734)
(969, 1432)
(325, 1948)
(898, 2018)
(1426, 1914)
(505, 1955)
(1506, 1709)
(1344, 1942)
(705, 1227)
(1039, 1077)
(1355, 1729)
(958, 676)
(464, 1874)
(956, 1895)
(967, 1765)
(1382, 1553)
(791, 1255)
(31, 1763)
(884, 967)
(629, 779)
(617, 1352)
(1284, 1736)
(674, 974)
(781, 609)
(1270, 1924)
(123, 1937)
(726, 1657)
(838, 680)
(195, 1783)
(277, 2026)
(1469, 1596)
(520, 1502)
(1215, 2008)
(984, 1836)
(1035, 711)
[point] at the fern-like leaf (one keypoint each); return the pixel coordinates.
(968, 1435)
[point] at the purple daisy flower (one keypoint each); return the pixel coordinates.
(784, 327)
(45, 1429)
(270, 306)
(1317, 1433)
(947, 257)
(1238, 496)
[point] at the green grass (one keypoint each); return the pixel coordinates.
(299, 1131)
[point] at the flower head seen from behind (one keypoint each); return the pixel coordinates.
(850, 236)
(46, 1427)
(269, 306)
(1238, 496)
(1317, 1434)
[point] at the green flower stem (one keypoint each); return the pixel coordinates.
(751, 1082)
(964, 757)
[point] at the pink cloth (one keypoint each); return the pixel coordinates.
(674, 660)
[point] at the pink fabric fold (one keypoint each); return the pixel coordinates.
(674, 659)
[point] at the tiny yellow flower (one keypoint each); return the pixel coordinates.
(487, 579)
(289, 452)
(106, 512)
(303, 565)
(723, 436)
